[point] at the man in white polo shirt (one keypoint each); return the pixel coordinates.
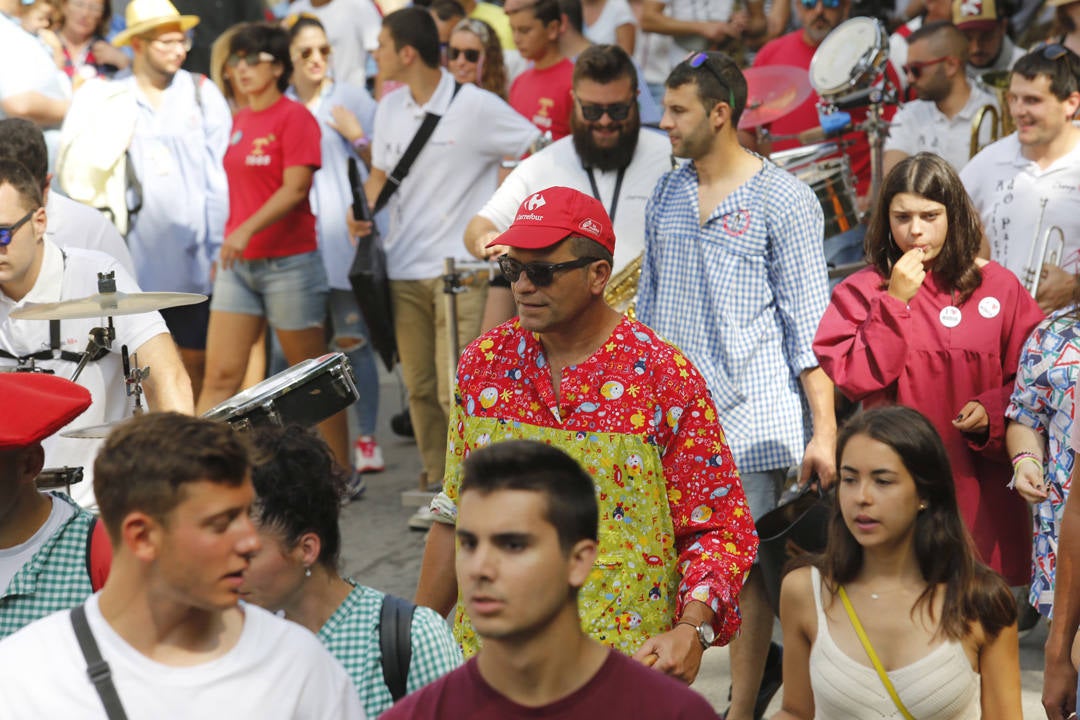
(35, 270)
(940, 120)
(1027, 182)
(452, 177)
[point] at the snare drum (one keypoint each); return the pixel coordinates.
(799, 157)
(305, 394)
(58, 478)
(834, 186)
(850, 58)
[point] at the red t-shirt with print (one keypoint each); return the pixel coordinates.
(263, 144)
(543, 96)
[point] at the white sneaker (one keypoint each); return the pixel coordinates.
(422, 519)
(367, 455)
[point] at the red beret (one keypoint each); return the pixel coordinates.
(35, 405)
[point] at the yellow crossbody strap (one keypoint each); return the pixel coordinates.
(873, 655)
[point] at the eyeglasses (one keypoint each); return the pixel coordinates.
(914, 69)
(701, 59)
(827, 4)
(540, 274)
(616, 111)
(306, 53)
(471, 55)
(7, 232)
(184, 43)
(235, 59)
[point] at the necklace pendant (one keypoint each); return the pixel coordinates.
(873, 596)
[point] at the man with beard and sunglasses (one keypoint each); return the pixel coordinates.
(675, 533)
(607, 155)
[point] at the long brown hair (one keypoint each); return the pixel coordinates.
(931, 177)
(944, 549)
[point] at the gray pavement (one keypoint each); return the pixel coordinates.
(379, 550)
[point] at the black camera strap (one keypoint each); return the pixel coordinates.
(96, 667)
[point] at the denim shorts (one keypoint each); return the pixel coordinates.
(291, 291)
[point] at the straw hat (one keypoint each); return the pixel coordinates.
(142, 16)
(1059, 3)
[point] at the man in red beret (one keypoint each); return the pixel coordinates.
(45, 538)
(676, 538)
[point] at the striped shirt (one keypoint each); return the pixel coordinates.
(741, 295)
(352, 636)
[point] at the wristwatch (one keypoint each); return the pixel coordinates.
(705, 634)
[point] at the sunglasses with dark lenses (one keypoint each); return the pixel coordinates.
(828, 4)
(306, 53)
(235, 59)
(7, 232)
(471, 55)
(702, 60)
(1051, 51)
(540, 274)
(616, 111)
(914, 69)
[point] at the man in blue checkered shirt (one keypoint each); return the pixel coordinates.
(735, 276)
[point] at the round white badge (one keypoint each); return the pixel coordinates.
(989, 307)
(949, 316)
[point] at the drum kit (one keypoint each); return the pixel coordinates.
(304, 394)
(847, 72)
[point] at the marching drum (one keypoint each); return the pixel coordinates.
(850, 58)
(305, 394)
(834, 185)
(797, 525)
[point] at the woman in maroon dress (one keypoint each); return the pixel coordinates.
(932, 326)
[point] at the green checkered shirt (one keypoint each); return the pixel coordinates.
(55, 578)
(352, 636)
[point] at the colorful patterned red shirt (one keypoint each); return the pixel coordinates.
(674, 523)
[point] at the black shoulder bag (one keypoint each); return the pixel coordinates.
(395, 643)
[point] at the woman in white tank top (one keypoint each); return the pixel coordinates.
(941, 623)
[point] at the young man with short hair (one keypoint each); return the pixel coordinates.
(527, 542)
(543, 92)
(175, 495)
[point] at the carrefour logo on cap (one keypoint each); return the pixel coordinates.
(590, 226)
(536, 201)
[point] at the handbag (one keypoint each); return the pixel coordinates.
(367, 274)
(873, 655)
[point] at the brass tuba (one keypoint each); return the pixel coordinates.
(621, 290)
(1001, 119)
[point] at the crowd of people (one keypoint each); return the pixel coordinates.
(595, 475)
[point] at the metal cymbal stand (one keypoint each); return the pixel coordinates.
(100, 338)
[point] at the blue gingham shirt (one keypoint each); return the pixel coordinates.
(742, 296)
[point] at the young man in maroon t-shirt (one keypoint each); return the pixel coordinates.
(541, 93)
(526, 543)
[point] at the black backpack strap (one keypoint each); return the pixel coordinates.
(394, 179)
(395, 643)
(96, 667)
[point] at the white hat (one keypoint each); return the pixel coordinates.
(143, 16)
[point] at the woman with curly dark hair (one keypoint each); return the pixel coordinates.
(475, 56)
(897, 618)
(932, 326)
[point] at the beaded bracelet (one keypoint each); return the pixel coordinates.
(361, 142)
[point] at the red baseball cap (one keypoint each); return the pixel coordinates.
(975, 14)
(551, 215)
(36, 405)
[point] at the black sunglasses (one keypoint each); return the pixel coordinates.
(701, 59)
(540, 274)
(830, 4)
(471, 55)
(616, 111)
(7, 232)
(1051, 51)
(306, 53)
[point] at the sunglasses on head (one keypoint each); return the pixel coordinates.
(701, 59)
(1051, 51)
(827, 4)
(7, 232)
(471, 55)
(306, 53)
(540, 274)
(616, 111)
(914, 69)
(235, 59)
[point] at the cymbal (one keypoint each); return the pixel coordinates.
(105, 305)
(91, 432)
(772, 91)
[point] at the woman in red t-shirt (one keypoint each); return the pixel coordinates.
(270, 270)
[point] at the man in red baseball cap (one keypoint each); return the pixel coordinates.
(676, 538)
(46, 552)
